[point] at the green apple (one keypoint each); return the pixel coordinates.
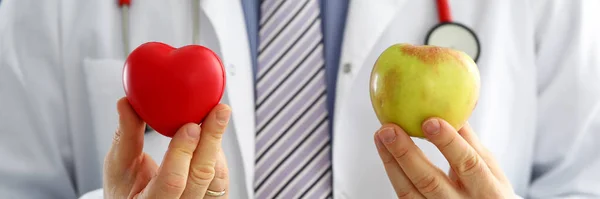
(410, 84)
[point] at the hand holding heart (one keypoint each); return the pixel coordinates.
(193, 164)
(474, 171)
(177, 92)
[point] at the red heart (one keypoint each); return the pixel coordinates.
(169, 87)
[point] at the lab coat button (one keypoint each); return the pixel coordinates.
(347, 68)
(231, 70)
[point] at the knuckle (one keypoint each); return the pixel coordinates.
(174, 183)
(221, 125)
(428, 184)
(388, 161)
(444, 146)
(117, 136)
(221, 173)
(405, 194)
(183, 152)
(470, 165)
(215, 135)
(191, 142)
(400, 153)
(202, 174)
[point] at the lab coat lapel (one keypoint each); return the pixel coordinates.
(365, 23)
(227, 17)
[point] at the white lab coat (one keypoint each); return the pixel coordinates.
(60, 64)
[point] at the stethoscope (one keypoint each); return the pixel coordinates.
(445, 34)
(452, 34)
(125, 4)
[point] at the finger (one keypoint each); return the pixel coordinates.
(402, 185)
(469, 135)
(221, 180)
(173, 173)
(454, 178)
(427, 179)
(469, 167)
(202, 169)
(128, 141)
(144, 174)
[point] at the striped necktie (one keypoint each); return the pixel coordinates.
(293, 152)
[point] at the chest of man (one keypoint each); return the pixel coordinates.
(506, 66)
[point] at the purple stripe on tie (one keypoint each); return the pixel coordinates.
(304, 150)
(269, 83)
(268, 5)
(311, 90)
(277, 101)
(312, 116)
(293, 164)
(271, 133)
(279, 18)
(286, 37)
(306, 41)
(320, 189)
(306, 180)
(290, 137)
(292, 104)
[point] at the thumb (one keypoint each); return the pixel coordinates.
(128, 140)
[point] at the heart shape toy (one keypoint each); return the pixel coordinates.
(169, 87)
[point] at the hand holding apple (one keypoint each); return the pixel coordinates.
(474, 172)
(430, 92)
(412, 83)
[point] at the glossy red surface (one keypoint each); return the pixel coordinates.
(170, 87)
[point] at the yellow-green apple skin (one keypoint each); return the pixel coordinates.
(410, 84)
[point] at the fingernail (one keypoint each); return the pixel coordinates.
(223, 116)
(432, 126)
(387, 135)
(193, 131)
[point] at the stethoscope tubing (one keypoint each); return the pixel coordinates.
(125, 29)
